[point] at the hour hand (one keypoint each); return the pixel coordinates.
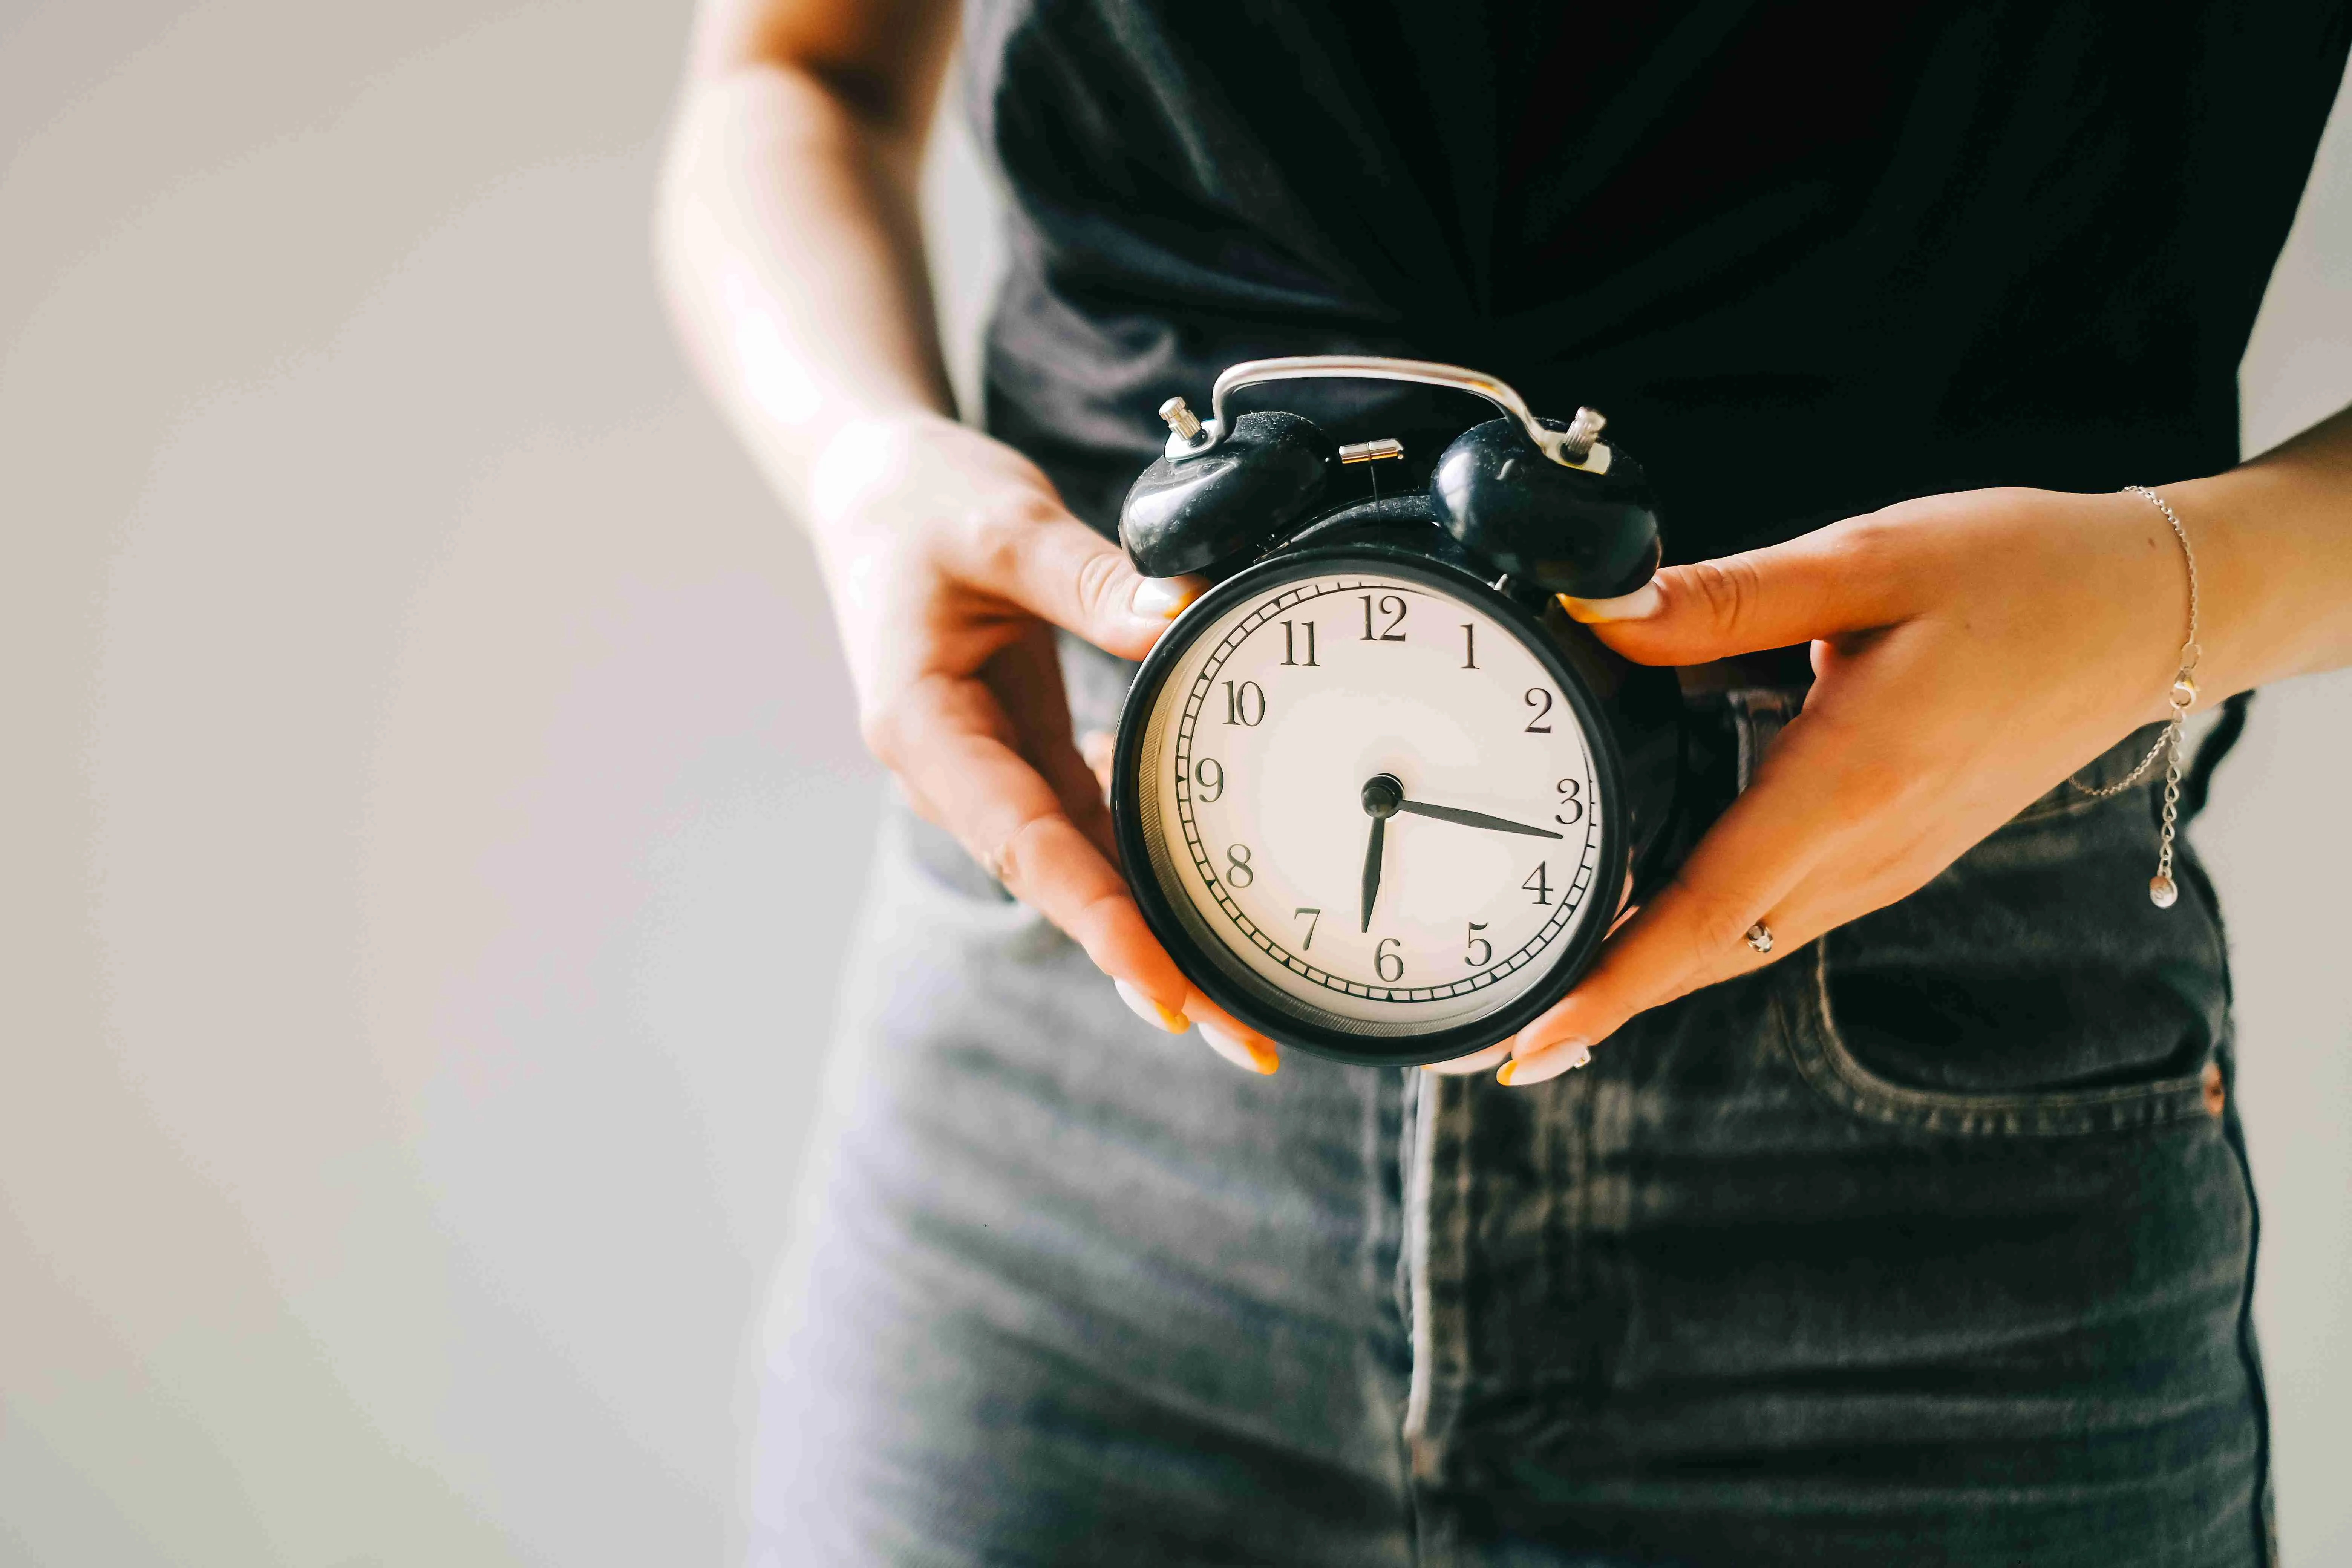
(1382, 793)
(1475, 819)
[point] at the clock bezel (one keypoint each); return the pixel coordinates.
(1245, 998)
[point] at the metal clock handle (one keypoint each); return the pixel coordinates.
(1578, 446)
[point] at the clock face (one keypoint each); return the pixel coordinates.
(1369, 804)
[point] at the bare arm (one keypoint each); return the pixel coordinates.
(790, 248)
(791, 253)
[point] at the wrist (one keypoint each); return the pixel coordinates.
(2253, 580)
(867, 455)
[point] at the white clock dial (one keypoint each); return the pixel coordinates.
(1262, 740)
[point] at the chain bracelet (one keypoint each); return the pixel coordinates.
(2161, 889)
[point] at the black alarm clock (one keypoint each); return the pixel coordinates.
(1377, 794)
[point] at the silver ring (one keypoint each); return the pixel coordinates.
(1759, 937)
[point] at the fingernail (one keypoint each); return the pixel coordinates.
(1535, 1066)
(1150, 1012)
(1160, 598)
(1238, 1049)
(1639, 605)
(1476, 1061)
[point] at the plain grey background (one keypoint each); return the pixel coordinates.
(433, 804)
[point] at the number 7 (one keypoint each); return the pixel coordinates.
(1314, 918)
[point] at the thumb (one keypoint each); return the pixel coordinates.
(1825, 584)
(1059, 569)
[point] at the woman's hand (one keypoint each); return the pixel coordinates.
(950, 560)
(1968, 652)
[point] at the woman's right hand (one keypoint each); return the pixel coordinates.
(950, 559)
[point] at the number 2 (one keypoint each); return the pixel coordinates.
(1540, 700)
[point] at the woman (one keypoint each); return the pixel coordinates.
(1924, 1238)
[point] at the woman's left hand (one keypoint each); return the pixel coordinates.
(1968, 650)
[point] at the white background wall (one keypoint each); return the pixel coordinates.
(431, 802)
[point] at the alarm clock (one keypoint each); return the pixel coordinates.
(1377, 794)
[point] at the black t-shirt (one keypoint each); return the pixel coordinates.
(1808, 258)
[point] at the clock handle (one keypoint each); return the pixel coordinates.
(1578, 446)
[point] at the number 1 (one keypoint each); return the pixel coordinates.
(1469, 647)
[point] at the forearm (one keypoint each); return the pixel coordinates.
(792, 257)
(2273, 542)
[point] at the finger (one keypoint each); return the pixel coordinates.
(1838, 580)
(1476, 1062)
(1026, 678)
(1540, 1067)
(1243, 1048)
(1057, 568)
(952, 744)
(1098, 749)
(1816, 791)
(1835, 891)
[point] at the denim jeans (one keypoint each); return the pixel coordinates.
(1932, 1242)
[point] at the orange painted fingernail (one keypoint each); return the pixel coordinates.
(1503, 1074)
(1161, 598)
(1150, 1012)
(1242, 1049)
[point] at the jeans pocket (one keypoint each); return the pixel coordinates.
(2030, 990)
(1830, 1065)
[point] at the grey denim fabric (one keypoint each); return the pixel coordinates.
(1926, 1244)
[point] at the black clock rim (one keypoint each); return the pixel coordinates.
(1204, 972)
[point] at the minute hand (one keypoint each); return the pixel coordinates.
(1475, 819)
